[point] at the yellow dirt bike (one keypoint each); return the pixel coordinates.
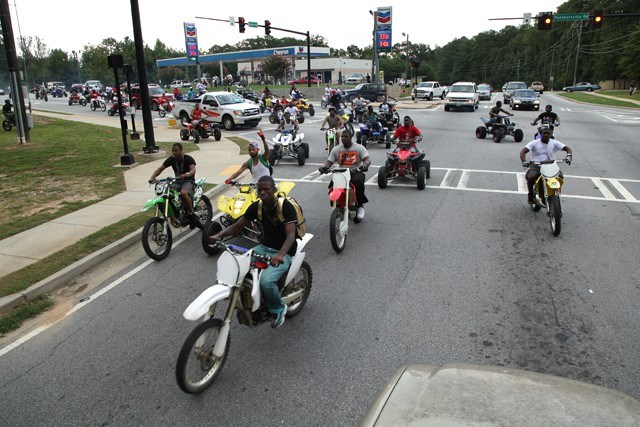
(233, 208)
(547, 192)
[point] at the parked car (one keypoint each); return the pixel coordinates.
(511, 87)
(524, 99)
(582, 86)
(155, 95)
(484, 91)
(179, 84)
(462, 95)
(355, 78)
(537, 86)
(1, 91)
(369, 91)
(303, 81)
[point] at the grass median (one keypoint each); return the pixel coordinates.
(599, 100)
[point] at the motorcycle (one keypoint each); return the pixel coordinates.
(372, 133)
(8, 122)
(285, 144)
(546, 192)
(330, 138)
(233, 208)
(164, 106)
(96, 103)
(499, 129)
(547, 122)
(205, 350)
(405, 163)
(157, 238)
(201, 130)
(75, 98)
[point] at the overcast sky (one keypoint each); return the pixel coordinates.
(72, 24)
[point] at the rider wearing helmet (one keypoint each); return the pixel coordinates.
(335, 100)
(494, 113)
(551, 117)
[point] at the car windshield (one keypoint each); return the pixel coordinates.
(360, 86)
(528, 93)
(519, 85)
(425, 84)
(484, 87)
(231, 98)
(461, 88)
(156, 91)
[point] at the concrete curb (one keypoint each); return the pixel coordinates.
(10, 302)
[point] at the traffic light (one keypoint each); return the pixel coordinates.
(545, 20)
(267, 27)
(598, 15)
(241, 24)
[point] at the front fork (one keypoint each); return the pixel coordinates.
(344, 224)
(223, 336)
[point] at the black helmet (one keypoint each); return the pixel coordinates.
(548, 108)
(7, 101)
(499, 104)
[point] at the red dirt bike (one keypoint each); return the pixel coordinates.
(164, 106)
(405, 163)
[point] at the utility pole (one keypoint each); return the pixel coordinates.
(374, 62)
(575, 68)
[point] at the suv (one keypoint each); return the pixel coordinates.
(511, 87)
(155, 94)
(462, 95)
(370, 91)
(355, 78)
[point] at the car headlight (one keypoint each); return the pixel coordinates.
(447, 99)
(537, 101)
(517, 101)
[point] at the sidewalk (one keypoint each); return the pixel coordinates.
(216, 160)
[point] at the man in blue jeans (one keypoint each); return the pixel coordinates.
(278, 241)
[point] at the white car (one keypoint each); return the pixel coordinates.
(355, 78)
(222, 108)
(462, 95)
(428, 91)
(94, 84)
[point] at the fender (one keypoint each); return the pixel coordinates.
(200, 306)
(152, 202)
(335, 194)
(296, 261)
(553, 183)
(256, 293)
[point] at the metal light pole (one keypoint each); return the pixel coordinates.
(75, 57)
(374, 63)
(406, 56)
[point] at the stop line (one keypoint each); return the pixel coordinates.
(505, 182)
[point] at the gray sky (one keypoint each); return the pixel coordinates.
(342, 23)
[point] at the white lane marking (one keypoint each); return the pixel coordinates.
(464, 179)
(522, 183)
(22, 340)
(623, 191)
(603, 188)
(446, 181)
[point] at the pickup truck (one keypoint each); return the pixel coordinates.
(428, 91)
(228, 109)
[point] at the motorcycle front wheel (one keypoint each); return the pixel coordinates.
(162, 113)
(197, 367)
(301, 284)
(6, 125)
(555, 214)
(103, 107)
(210, 229)
(338, 241)
(155, 241)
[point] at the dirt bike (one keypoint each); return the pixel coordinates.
(330, 138)
(233, 208)
(546, 192)
(205, 350)
(342, 196)
(405, 163)
(201, 130)
(284, 144)
(164, 106)
(9, 121)
(157, 238)
(499, 129)
(98, 103)
(548, 123)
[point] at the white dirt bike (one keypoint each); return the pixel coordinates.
(205, 350)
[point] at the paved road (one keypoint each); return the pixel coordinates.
(462, 271)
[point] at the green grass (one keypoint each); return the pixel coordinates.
(622, 94)
(240, 142)
(598, 100)
(14, 320)
(66, 166)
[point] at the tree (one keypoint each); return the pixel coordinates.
(276, 66)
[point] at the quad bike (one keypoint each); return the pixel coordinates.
(305, 106)
(75, 98)
(233, 208)
(201, 130)
(289, 144)
(375, 133)
(347, 118)
(405, 163)
(499, 129)
(278, 115)
(115, 108)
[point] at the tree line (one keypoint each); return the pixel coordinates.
(517, 52)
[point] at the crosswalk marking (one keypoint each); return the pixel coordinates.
(623, 191)
(603, 189)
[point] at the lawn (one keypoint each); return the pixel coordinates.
(598, 100)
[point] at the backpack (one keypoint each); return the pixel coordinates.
(261, 160)
(301, 228)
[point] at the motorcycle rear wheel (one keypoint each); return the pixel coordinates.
(555, 215)
(197, 367)
(155, 242)
(337, 242)
(6, 125)
(302, 281)
(210, 229)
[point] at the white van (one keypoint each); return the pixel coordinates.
(462, 95)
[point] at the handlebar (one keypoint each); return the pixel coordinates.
(239, 250)
(168, 179)
(568, 159)
(341, 169)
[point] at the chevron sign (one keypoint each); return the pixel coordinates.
(384, 17)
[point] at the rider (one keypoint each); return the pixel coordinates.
(371, 118)
(191, 94)
(547, 114)
(334, 121)
(288, 124)
(7, 110)
(408, 132)
(291, 109)
(336, 99)
(278, 241)
(327, 93)
(184, 167)
(357, 104)
(350, 155)
(258, 164)
(542, 149)
(494, 113)
(196, 115)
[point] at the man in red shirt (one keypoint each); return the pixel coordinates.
(408, 132)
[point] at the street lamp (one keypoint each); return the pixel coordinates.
(75, 57)
(406, 57)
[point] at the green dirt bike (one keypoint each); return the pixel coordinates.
(157, 238)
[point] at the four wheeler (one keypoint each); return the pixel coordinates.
(390, 119)
(373, 133)
(289, 144)
(499, 129)
(115, 108)
(305, 106)
(76, 98)
(405, 163)
(233, 208)
(202, 130)
(58, 92)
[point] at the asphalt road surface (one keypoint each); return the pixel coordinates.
(463, 271)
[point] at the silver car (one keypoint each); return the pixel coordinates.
(484, 91)
(524, 99)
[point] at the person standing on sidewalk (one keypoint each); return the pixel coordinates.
(257, 164)
(632, 88)
(184, 167)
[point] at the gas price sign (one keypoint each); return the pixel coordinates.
(383, 40)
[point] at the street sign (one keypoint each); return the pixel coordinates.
(232, 21)
(526, 18)
(253, 24)
(571, 17)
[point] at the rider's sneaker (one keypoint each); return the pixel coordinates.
(279, 319)
(360, 213)
(193, 221)
(530, 199)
